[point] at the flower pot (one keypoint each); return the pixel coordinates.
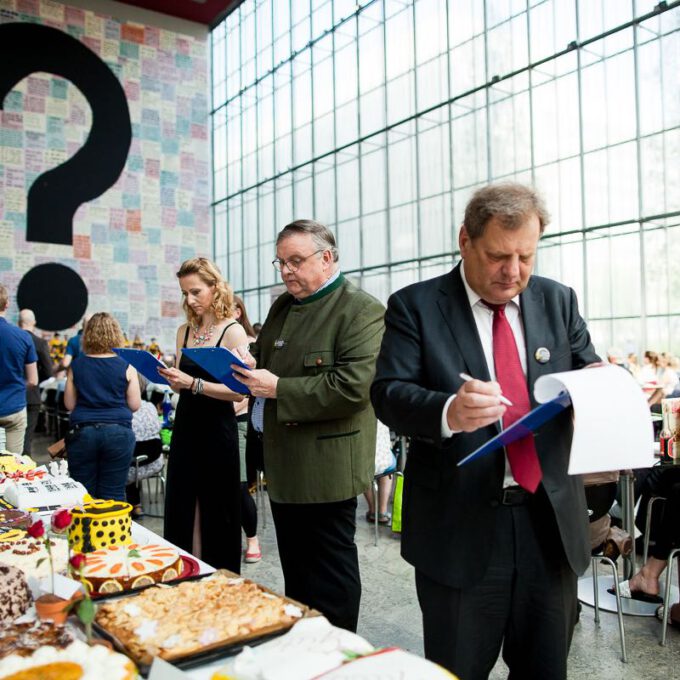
(52, 608)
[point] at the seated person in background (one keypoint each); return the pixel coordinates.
(154, 348)
(665, 536)
(384, 460)
(146, 427)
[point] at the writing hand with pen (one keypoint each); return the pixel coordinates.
(477, 404)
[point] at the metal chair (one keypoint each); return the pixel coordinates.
(648, 525)
(599, 498)
(667, 595)
(669, 569)
(595, 560)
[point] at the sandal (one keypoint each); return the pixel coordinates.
(383, 518)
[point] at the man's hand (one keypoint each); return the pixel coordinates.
(259, 381)
(477, 404)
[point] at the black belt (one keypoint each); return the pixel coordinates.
(514, 495)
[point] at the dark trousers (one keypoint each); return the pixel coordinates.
(525, 604)
(319, 557)
(248, 512)
(32, 413)
(99, 457)
(663, 480)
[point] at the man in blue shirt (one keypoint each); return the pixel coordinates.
(18, 370)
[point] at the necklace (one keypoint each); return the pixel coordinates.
(202, 338)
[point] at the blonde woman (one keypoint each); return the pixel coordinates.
(101, 392)
(202, 504)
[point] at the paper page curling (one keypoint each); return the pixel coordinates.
(612, 423)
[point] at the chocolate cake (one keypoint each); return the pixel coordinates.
(15, 595)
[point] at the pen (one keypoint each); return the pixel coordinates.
(467, 378)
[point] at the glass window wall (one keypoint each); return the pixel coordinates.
(380, 118)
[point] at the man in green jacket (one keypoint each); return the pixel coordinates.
(316, 357)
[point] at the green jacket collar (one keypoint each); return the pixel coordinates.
(323, 292)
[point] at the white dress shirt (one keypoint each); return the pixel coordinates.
(484, 321)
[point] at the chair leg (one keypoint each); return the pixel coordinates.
(648, 526)
(667, 594)
(594, 562)
(622, 634)
(376, 508)
(259, 490)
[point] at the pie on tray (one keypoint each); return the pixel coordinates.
(195, 616)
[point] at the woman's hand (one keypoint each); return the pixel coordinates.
(243, 353)
(178, 379)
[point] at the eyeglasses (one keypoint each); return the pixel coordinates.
(294, 263)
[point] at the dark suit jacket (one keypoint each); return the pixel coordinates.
(45, 368)
(449, 512)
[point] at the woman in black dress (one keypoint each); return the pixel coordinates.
(202, 504)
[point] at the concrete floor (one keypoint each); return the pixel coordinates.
(390, 614)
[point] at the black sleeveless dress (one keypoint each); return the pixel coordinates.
(204, 465)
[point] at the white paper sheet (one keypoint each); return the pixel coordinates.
(612, 423)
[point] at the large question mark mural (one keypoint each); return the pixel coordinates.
(55, 292)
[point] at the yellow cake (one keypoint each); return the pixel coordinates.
(100, 524)
(11, 463)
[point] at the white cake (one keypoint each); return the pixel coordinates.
(29, 555)
(48, 492)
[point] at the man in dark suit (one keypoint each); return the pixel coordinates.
(498, 542)
(45, 369)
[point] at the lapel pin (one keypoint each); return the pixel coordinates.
(542, 355)
(279, 344)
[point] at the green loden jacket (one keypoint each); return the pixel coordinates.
(319, 433)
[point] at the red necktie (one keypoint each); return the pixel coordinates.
(521, 454)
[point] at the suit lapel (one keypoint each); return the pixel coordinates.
(455, 308)
(537, 333)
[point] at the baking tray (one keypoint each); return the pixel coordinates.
(214, 651)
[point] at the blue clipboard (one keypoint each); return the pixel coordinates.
(217, 361)
(145, 362)
(526, 425)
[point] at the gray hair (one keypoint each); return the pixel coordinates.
(321, 235)
(510, 202)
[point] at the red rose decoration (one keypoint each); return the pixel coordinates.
(61, 520)
(77, 561)
(37, 529)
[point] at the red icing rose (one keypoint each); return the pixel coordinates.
(37, 529)
(61, 520)
(77, 561)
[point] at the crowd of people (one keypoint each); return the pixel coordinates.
(496, 545)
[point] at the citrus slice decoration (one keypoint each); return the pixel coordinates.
(110, 586)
